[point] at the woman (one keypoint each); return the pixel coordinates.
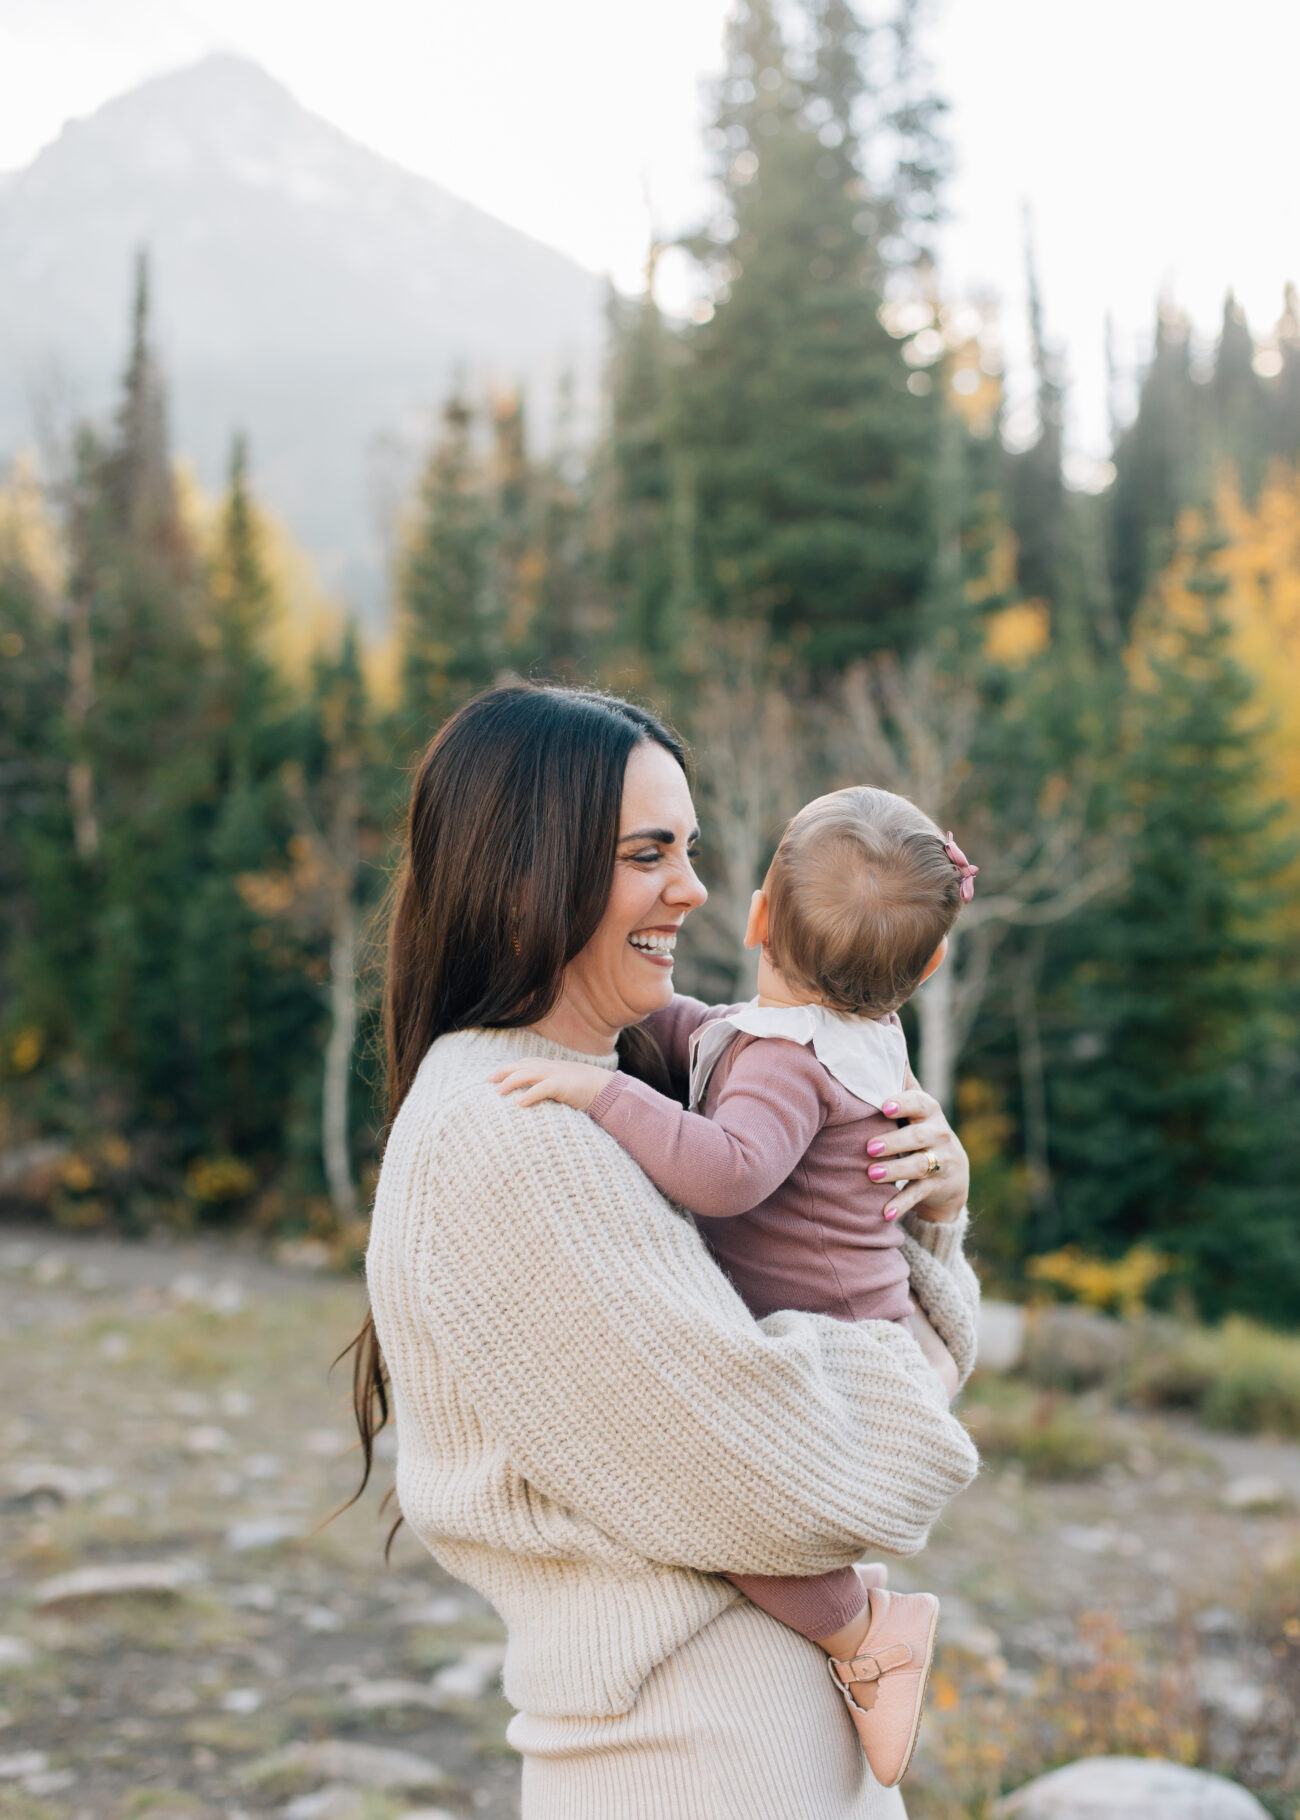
(591, 1427)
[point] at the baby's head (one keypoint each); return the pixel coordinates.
(858, 901)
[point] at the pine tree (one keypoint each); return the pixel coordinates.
(139, 487)
(449, 615)
(634, 512)
(33, 686)
(1158, 466)
(1284, 399)
(248, 1016)
(807, 451)
(1036, 483)
(1170, 1122)
(1240, 431)
(241, 678)
(562, 643)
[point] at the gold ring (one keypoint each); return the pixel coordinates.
(933, 1161)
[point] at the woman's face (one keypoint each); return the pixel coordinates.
(626, 970)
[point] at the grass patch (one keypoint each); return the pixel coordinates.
(184, 1624)
(1051, 1435)
(15, 1805)
(236, 1733)
(1238, 1376)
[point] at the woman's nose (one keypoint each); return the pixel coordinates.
(686, 891)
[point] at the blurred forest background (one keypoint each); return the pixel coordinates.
(800, 534)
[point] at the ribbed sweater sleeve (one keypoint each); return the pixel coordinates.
(613, 1364)
(768, 1111)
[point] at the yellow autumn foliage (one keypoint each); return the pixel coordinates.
(306, 619)
(1018, 634)
(1106, 1283)
(29, 539)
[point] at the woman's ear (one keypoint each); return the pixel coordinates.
(756, 927)
(935, 961)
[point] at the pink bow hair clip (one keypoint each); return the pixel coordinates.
(963, 866)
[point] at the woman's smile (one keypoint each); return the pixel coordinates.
(656, 945)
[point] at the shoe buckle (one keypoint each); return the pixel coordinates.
(870, 1666)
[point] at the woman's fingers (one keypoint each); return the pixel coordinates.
(913, 1103)
(930, 1134)
(902, 1200)
(901, 1168)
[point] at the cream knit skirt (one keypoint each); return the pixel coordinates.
(741, 1724)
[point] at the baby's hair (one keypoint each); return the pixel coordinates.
(860, 894)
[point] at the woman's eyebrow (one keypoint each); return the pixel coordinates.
(664, 836)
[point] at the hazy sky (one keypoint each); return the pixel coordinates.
(1153, 140)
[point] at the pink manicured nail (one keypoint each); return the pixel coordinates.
(875, 1147)
(878, 1172)
(889, 1108)
(891, 1213)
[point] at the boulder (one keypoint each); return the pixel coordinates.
(129, 1579)
(1001, 1336)
(340, 1762)
(1255, 1494)
(1129, 1788)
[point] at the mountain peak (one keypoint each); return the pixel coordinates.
(308, 289)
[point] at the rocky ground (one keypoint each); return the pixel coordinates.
(179, 1636)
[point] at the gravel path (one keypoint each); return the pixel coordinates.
(179, 1637)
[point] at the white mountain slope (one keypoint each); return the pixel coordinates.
(306, 290)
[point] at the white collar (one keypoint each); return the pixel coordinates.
(866, 1055)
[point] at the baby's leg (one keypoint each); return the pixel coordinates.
(934, 1349)
(818, 1607)
(880, 1646)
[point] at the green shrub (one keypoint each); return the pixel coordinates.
(1238, 1376)
(1051, 1435)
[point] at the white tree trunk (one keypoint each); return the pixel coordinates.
(338, 1059)
(935, 1010)
(81, 695)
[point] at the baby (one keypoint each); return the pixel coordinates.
(787, 1095)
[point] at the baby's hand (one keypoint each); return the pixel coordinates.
(573, 1084)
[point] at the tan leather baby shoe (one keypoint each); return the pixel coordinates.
(893, 1662)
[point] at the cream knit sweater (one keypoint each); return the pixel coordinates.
(590, 1424)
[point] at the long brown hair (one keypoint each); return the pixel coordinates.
(506, 871)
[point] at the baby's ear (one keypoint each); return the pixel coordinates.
(935, 961)
(756, 927)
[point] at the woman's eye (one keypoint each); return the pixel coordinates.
(647, 858)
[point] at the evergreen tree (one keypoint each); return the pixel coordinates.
(1284, 398)
(33, 686)
(1170, 1124)
(1036, 483)
(634, 514)
(139, 488)
(249, 1016)
(808, 452)
(1240, 430)
(1158, 468)
(562, 643)
(449, 615)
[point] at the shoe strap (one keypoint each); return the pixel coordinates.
(871, 1667)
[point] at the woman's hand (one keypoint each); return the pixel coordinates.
(573, 1084)
(904, 1157)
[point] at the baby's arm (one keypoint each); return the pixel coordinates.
(767, 1113)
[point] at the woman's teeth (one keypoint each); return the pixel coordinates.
(654, 944)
